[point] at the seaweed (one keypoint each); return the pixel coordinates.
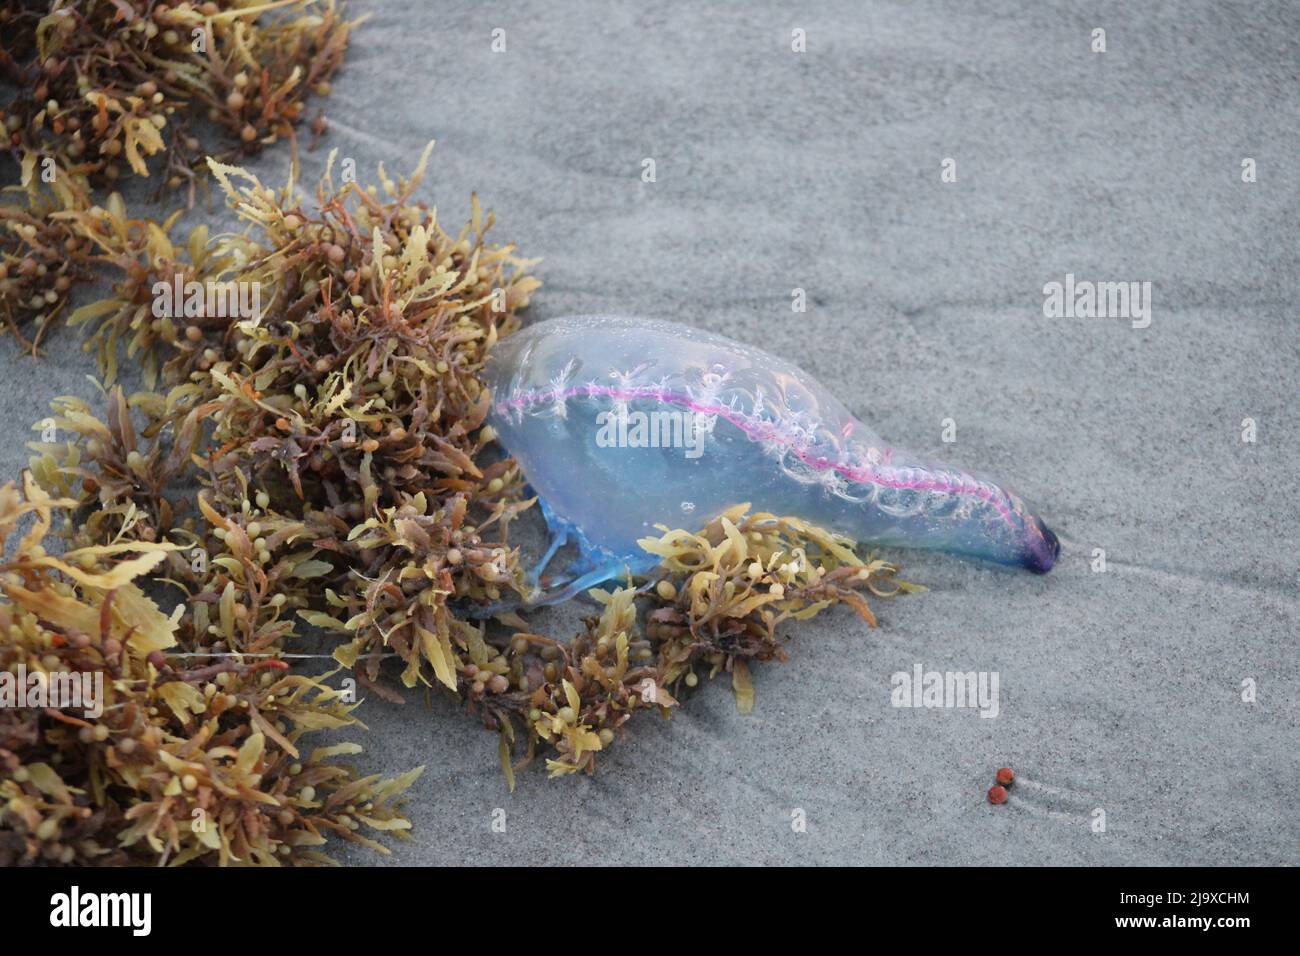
(314, 463)
(713, 607)
(168, 765)
(111, 86)
(105, 90)
(40, 258)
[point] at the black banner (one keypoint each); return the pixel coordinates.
(331, 906)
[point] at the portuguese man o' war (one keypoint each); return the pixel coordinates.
(622, 424)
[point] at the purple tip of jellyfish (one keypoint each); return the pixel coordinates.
(1044, 549)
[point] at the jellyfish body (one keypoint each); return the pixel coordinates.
(623, 424)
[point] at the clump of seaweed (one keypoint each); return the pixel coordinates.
(729, 587)
(106, 86)
(344, 420)
(353, 392)
(41, 259)
(311, 452)
(715, 606)
(158, 762)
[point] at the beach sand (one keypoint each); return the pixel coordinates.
(1120, 691)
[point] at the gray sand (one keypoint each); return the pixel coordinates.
(1119, 690)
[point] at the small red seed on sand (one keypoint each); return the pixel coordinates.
(1006, 776)
(997, 794)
